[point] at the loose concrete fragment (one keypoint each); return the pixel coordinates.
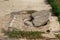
(40, 18)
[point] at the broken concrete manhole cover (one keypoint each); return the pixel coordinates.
(28, 18)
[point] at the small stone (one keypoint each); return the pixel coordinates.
(28, 23)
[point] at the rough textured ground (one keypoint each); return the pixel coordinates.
(21, 21)
(9, 6)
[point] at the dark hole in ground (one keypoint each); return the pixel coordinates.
(48, 31)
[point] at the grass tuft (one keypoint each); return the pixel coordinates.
(55, 8)
(23, 34)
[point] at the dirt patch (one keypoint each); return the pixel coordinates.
(58, 1)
